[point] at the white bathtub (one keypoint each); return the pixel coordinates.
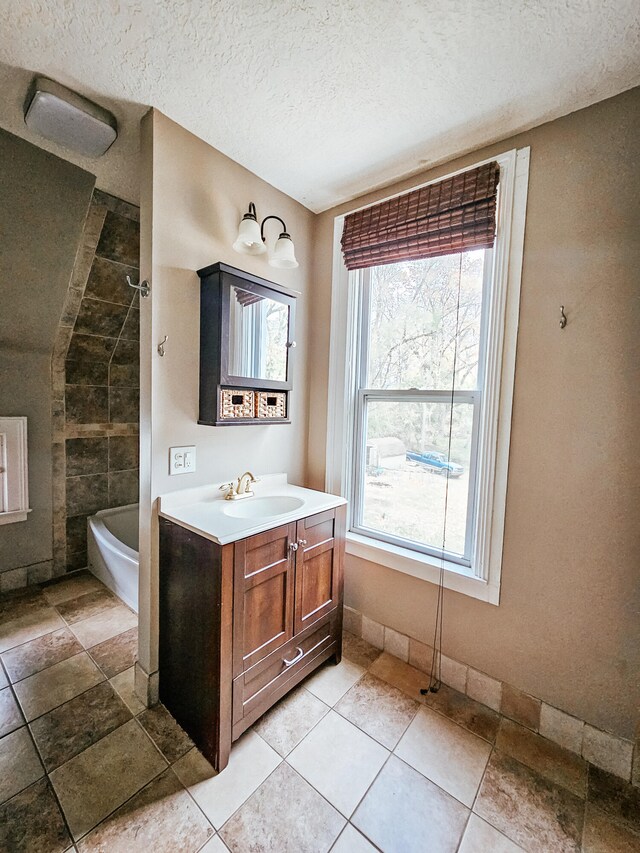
(112, 542)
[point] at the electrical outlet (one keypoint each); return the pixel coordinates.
(182, 460)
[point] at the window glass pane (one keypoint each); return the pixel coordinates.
(405, 472)
(412, 322)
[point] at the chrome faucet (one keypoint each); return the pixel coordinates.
(241, 489)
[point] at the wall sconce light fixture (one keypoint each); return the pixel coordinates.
(251, 240)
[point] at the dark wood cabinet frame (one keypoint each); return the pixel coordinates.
(216, 282)
(242, 624)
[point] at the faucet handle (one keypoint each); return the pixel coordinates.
(231, 489)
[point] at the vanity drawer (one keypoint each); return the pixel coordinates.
(256, 689)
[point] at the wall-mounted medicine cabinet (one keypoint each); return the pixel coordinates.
(247, 344)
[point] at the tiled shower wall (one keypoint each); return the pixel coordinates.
(96, 380)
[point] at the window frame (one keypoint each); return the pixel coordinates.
(481, 579)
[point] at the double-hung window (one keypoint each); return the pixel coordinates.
(423, 353)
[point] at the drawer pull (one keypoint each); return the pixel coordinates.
(293, 546)
(293, 660)
(302, 542)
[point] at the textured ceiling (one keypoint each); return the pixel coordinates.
(323, 99)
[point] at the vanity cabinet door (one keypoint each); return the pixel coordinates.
(318, 566)
(264, 570)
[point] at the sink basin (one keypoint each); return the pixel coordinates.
(264, 507)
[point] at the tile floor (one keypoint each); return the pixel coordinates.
(353, 760)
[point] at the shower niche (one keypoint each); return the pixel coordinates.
(247, 346)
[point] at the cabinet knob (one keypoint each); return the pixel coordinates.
(302, 542)
(293, 546)
(295, 658)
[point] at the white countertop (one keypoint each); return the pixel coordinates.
(204, 510)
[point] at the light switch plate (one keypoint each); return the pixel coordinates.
(182, 460)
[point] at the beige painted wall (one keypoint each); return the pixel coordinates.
(568, 625)
(43, 205)
(193, 198)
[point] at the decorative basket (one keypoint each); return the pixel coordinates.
(271, 404)
(236, 403)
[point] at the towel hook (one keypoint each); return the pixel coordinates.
(563, 317)
(143, 287)
(161, 346)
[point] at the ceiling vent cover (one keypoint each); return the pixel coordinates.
(67, 118)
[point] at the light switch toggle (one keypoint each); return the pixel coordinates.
(182, 460)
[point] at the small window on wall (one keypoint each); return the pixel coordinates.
(14, 490)
(424, 326)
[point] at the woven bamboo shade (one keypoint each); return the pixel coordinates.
(440, 219)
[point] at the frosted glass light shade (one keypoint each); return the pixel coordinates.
(283, 255)
(249, 241)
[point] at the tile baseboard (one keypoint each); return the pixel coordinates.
(607, 751)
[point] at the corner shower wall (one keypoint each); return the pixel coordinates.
(96, 380)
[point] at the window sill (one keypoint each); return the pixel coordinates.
(421, 566)
(14, 515)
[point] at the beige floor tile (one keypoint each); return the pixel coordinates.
(447, 754)
(28, 627)
(267, 821)
(603, 835)
(19, 763)
(74, 726)
(4, 681)
(481, 837)
(380, 710)
(53, 686)
(105, 775)
(10, 715)
(339, 761)
(124, 684)
(105, 625)
(400, 674)
(351, 841)
(161, 818)
(552, 761)
(71, 587)
(214, 845)
(529, 809)
(405, 813)
(284, 726)
(172, 741)
(358, 650)
(29, 658)
(116, 654)
(31, 822)
(331, 682)
(87, 605)
(615, 797)
(219, 795)
(472, 715)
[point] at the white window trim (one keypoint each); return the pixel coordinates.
(14, 484)
(483, 580)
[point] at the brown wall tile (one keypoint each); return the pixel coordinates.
(91, 347)
(87, 372)
(108, 281)
(127, 352)
(86, 456)
(100, 318)
(123, 452)
(120, 240)
(76, 560)
(520, 707)
(77, 533)
(86, 495)
(87, 404)
(123, 488)
(131, 328)
(127, 375)
(124, 405)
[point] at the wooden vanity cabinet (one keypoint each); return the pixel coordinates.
(241, 624)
